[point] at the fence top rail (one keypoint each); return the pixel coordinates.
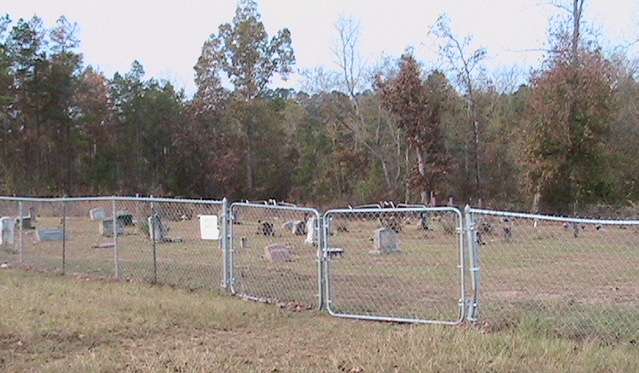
(276, 207)
(394, 209)
(108, 198)
(562, 219)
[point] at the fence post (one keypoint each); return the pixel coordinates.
(64, 234)
(224, 242)
(152, 233)
(20, 255)
(115, 239)
(321, 227)
(473, 258)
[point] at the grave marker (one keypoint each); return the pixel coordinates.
(278, 253)
(385, 241)
(157, 230)
(106, 228)
(311, 238)
(7, 230)
(97, 214)
(209, 229)
(51, 234)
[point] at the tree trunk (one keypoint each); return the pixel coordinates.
(476, 151)
(250, 161)
(421, 167)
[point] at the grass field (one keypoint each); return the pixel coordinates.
(72, 324)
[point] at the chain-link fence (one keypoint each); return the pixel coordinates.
(571, 277)
(396, 264)
(275, 254)
(576, 278)
(33, 233)
(147, 239)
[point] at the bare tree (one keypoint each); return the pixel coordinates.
(466, 64)
(370, 124)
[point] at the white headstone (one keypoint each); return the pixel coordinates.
(386, 241)
(7, 230)
(51, 234)
(311, 238)
(106, 228)
(97, 214)
(209, 229)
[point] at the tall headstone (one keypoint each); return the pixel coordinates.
(209, 229)
(385, 241)
(311, 238)
(7, 230)
(157, 230)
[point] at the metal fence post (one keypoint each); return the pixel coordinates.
(320, 227)
(224, 242)
(115, 239)
(20, 254)
(473, 258)
(152, 233)
(64, 234)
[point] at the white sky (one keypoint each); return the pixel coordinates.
(166, 36)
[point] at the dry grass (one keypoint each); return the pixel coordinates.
(53, 323)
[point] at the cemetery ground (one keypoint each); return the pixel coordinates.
(75, 324)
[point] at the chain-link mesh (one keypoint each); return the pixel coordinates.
(161, 243)
(43, 235)
(9, 240)
(274, 252)
(396, 264)
(89, 238)
(568, 277)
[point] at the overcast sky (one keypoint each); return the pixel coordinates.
(166, 36)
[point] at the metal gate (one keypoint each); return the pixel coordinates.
(567, 276)
(274, 254)
(395, 264)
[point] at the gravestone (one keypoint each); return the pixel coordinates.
(297, 227)
(97, 214)
(106, 228)
(385, 241)
(311, 238)
(288, 226)
(7, 230)
(209, 229)
(26, 223)
(51, 234)
(157, 230)
(278, 253)
(125, 217)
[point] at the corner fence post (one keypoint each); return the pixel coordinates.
(321, 260)
(20, 254)
(64, 234)
(153, 246)
(473, 259)
(225, 244)
(115, 239)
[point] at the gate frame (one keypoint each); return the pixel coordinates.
(413, 208)
(230, 251)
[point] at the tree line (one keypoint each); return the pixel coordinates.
(394, 130)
